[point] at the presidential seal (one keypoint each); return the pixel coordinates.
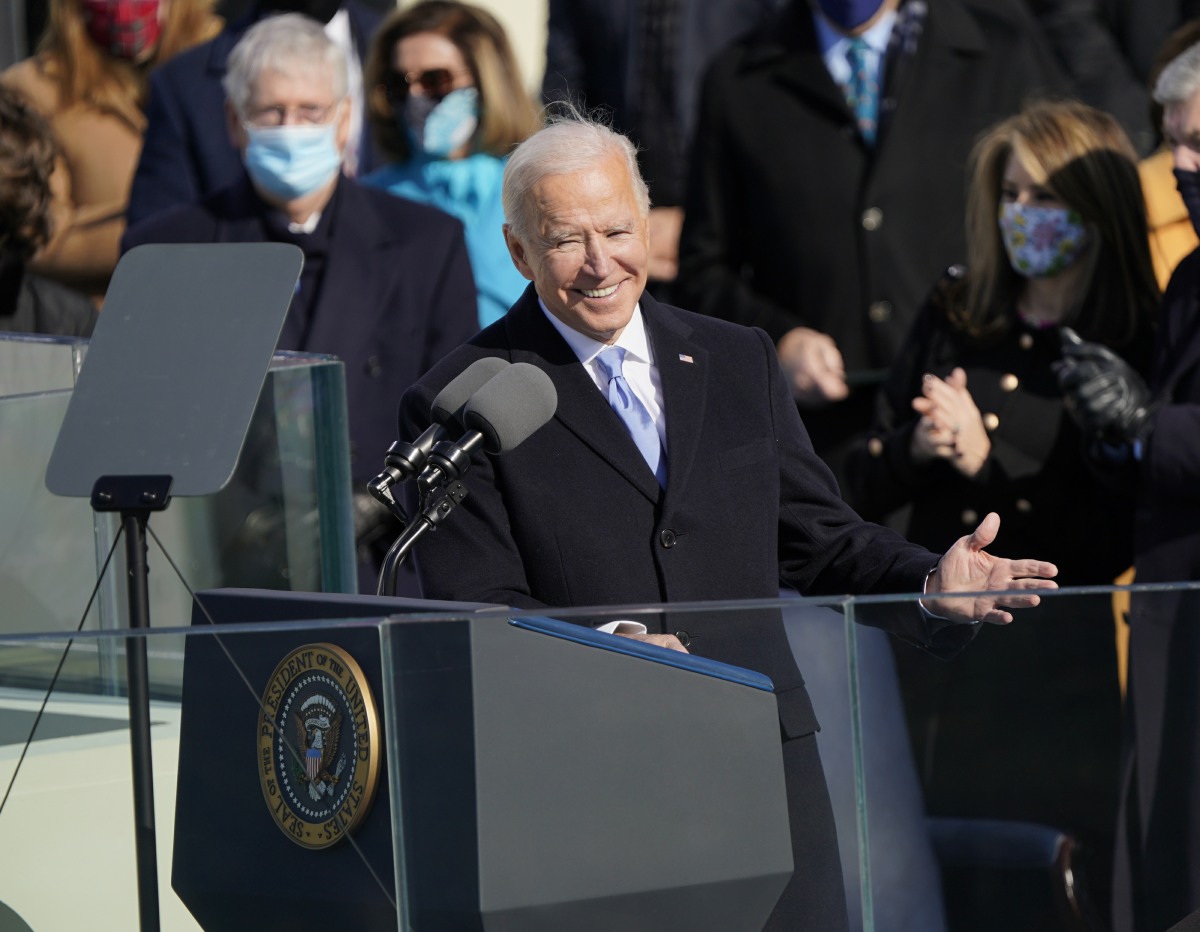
(318, 745)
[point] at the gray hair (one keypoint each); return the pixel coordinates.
(570, 142)
(1180, 79)
(289, 44)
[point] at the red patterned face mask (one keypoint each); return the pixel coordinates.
(123, 28)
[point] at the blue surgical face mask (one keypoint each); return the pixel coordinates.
(437, 128)
(849, 14)
(1042, 241)
(292, 161)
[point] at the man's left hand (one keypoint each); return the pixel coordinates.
(668, 641)
(967, 567)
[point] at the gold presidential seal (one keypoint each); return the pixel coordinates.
(318, 745)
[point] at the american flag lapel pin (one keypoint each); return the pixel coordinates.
(684, 357)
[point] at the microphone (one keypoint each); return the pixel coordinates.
(499, 417)
(405, 461)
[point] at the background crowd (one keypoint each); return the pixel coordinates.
(955, 219)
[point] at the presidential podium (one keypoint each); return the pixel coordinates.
(528, 773)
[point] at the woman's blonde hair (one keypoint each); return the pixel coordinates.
(1082, 157)
(506, 111)
(86, 74)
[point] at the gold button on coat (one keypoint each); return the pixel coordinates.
(1009, 382)
(872, 219)
(991, 421)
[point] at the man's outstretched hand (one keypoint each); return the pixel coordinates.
(967, 567)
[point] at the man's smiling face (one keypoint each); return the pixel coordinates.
(591, 247)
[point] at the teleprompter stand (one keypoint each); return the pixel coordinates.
(161, 407)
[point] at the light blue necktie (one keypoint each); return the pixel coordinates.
(862, 92)
(632, 412)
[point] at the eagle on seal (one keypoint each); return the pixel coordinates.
(317, 734)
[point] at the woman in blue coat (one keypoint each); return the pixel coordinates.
(448, 105)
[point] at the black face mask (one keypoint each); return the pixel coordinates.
(1189, 189)
(320, 10)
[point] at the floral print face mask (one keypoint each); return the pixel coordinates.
(1042, 241)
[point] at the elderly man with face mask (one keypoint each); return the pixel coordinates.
(185, 157)
(386, 285)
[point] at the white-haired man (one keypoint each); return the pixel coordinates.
(719, 496)
(386, 285)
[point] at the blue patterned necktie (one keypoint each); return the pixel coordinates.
(862, 92)
(632, 412)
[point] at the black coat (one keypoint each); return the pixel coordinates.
(574, 517)
(395, 295)
(1047, 689)
(1036, 476)
(792, 220)
(1158, 861)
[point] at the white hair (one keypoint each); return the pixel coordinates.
(288, 44)
(1180, 79)
(570, 142)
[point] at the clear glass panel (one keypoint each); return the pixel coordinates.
(222, 858)
(283, 521)
(30, 363)
(1009, 753)
(511, 753)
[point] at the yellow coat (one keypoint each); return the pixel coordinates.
(1172, 235)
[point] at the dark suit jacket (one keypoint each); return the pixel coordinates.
(574, 517)
(186, 152)
(792, 220)
(396, 294)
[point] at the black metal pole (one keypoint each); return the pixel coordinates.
(139, 719)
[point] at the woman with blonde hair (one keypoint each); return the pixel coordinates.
(447, 105)
(972, 419)
(88, 79)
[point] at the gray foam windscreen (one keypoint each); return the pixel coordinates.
(511, 406)
(458, 392)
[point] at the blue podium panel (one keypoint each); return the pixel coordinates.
(618, 791)
(548, 783)
(545, 777)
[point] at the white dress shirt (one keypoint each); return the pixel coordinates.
(642, 375)
(835, 47)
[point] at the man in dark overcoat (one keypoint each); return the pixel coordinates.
(722, 499)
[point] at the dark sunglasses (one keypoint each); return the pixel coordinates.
(436, 82)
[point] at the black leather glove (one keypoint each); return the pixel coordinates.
(1103, 393)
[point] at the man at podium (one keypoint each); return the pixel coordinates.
(676, 469)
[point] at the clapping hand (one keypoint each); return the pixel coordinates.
(950, 427)
(967, 567)
(1103, 394)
